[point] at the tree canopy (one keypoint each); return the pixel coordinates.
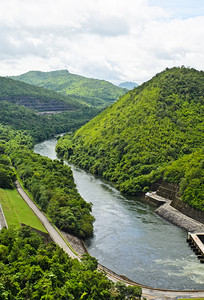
(31, 269)
(135, 139)
(89, 91)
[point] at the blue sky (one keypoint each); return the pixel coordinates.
(181, 8)
(115, 40)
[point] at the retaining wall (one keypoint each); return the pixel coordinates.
(171, 191)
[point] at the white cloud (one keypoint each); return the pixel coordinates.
(114, 40)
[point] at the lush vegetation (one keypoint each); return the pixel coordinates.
(133, 141)
(31, 269)
(19, 102)
(188, 171)
(50, 182)
(42, 127)
(94, 92)
(52, 186)
(29, 95)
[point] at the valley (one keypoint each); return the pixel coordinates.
(150, 136)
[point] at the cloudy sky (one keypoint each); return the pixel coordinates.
(115, 40)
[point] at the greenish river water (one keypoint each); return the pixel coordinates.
(130, 239)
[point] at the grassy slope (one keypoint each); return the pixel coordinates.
(149, 128)
(16, 210)
(94, 92)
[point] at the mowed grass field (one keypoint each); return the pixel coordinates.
(16, 210)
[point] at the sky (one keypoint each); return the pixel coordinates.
(114, 40)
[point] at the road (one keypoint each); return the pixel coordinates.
(55, 236)
(147, 292)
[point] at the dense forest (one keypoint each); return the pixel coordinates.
(153, 133)
(21, 103)
(45, 126)
(29, 267)
(89, 91)
(50, 183)
(32, 269)
(34, 97)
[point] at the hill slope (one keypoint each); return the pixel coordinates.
(132, 141)
(45, 126)
(18, 98)
(94, 92)
(35, 97)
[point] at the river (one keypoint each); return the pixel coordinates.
(130, 239)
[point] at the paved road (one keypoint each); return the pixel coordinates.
(56, 237)
(148, 292)
(3, 222)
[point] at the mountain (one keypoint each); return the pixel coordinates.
(133, 141)
(94, 92)
(34, 97)
(22, 102)
(128, 85)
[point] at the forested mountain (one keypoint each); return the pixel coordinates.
(94, 92)
(21, 103)
(44, 126)
(154, 132)
(34, 97)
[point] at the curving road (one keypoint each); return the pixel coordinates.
(147, 292)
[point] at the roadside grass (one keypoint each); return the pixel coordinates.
(16, 210)
(48, 217)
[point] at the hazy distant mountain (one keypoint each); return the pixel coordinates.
(92, 92)
(128, 85)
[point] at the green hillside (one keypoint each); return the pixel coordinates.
(35, 97)
(94, 92)
(22, 102)
(45, 126)
(133, 141)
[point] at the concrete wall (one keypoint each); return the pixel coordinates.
(171, 191)
(187, 210)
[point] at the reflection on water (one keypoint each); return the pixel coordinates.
(131, 239)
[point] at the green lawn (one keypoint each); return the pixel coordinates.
(16, 210)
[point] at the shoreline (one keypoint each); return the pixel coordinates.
(171, 214)
(76, 243)
(164, 210)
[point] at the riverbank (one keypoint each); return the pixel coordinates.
(77, 244)
(130, 239)
(169, 213)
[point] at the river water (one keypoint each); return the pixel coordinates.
(130, 239)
